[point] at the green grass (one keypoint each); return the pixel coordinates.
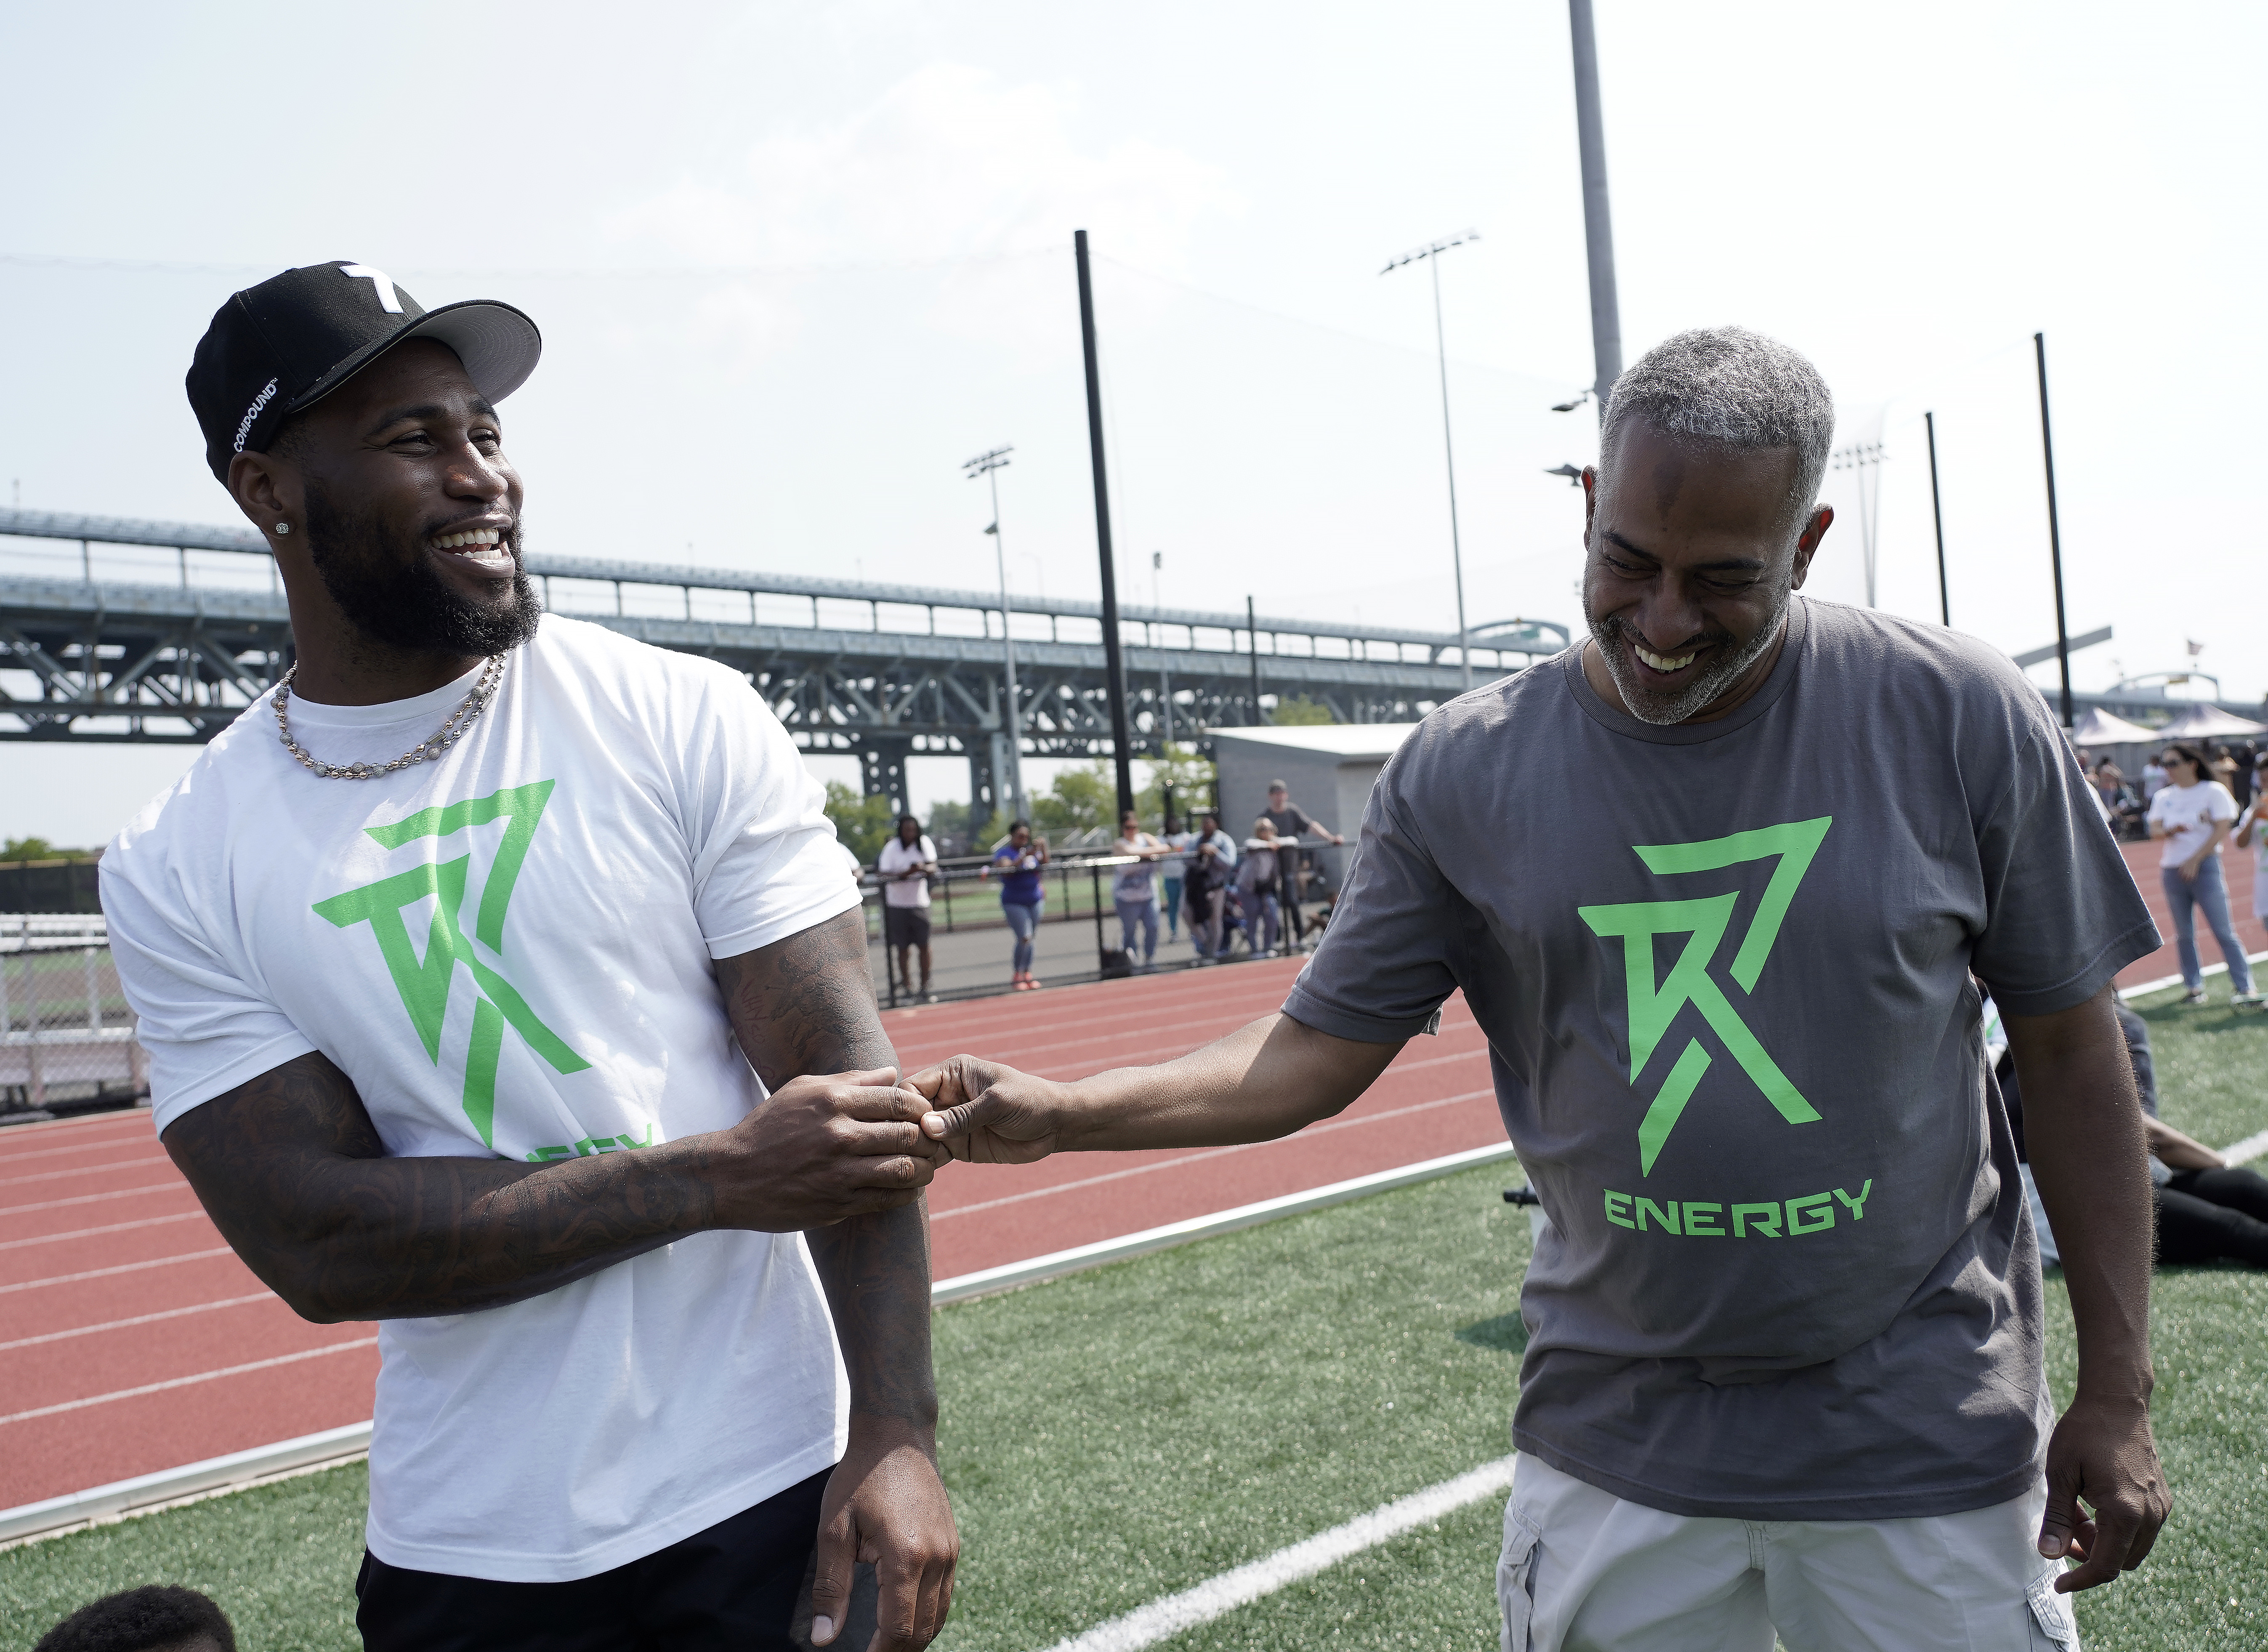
(1124, 1433)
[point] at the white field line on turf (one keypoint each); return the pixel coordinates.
(2242, 1152)
(937, 1216)
(2164, 981)
(122, 1267)
(185, 1382)
(138, 1319)
(1216, 1598)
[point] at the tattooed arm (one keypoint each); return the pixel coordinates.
(293, 1174)
(812, 1008)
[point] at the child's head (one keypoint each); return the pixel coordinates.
(157, 1618)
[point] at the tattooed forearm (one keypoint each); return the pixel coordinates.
(807, 1006)
(294, 1176)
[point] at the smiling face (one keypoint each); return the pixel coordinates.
(1693, 555)
(408, 514)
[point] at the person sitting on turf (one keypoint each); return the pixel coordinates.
(1784, 1367)
(549, 1043)
(2207, 1210)
(156, 1617)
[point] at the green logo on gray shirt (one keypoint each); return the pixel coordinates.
(1704, 921)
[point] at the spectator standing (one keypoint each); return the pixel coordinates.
(2224, 768)
(1023, 896)
(2193, 814)
(1212, 861)
(2153, 781)
(2245, 785)
(2111, 783)
(1259, 880)
(1289, 820)
(1135, 890)
(2252, 833)
(1178, 841)
(906, 864)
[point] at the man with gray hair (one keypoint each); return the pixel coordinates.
(1783, 1370)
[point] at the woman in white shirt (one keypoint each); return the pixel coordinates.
(1135, 891)
(2193, 814)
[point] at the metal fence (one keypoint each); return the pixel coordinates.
(965, 900)
(67, 1038)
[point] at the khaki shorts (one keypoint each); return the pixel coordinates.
(1585, 1571)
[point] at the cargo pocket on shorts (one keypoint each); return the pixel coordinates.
(1515, 1576)
(2050, 1621)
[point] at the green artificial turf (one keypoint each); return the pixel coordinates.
(1122, 1435)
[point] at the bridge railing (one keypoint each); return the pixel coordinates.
(101, 550)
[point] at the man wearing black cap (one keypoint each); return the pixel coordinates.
(514, 994)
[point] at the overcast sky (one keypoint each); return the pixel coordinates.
(794, 264)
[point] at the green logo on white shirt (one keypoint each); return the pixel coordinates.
(1704, 922)
(425, 983)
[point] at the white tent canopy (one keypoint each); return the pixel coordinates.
(2099, 727)
(2208, 722)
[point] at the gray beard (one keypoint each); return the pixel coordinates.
(1647, 702)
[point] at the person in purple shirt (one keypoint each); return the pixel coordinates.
(1022, 895)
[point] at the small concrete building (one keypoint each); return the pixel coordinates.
(1330, 769)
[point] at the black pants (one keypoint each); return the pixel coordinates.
(2206, 1216)
(735, 1585)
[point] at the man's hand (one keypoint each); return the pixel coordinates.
(986, 1113)
(885, 1506)
(825, 1147)
(2104, 1455)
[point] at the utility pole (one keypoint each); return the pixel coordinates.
(1598, 225)
(1433, 256)
(1864, 459)
(1165, 686)
(1252, 646)
(1113, 666)
(988, 465)
(2054, 530)
(1937, 515)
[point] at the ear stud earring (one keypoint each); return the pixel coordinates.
(282, 527)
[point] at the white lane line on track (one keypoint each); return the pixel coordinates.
(1216, 1596)
(89, 1233)
(122, 1267)
(138, 1319)
(1210, 1153)
(185, 1382)
(174, 1186)
(82, 1169)
(12, 1157)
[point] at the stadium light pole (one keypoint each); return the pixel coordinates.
(1113, 664)
(1432, 256)
(988, 465)
(1598, 223)
(1937, 516)
(2054, 530)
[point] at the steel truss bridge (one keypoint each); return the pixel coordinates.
(128, 630)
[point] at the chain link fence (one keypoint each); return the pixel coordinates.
(66, 1040)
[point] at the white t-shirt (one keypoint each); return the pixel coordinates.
(2187, 814)
(1139, 882)
(896, 858)
(509, 952)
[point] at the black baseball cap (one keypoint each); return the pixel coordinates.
(290, 342)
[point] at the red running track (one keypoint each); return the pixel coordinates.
(132, 1340)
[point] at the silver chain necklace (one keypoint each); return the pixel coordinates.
(428, 750)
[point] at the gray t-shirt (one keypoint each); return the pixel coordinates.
(1724, 971)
